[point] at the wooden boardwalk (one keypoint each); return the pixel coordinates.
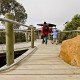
(44, 64)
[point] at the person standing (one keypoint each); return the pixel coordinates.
(45, 32)
(55, 36)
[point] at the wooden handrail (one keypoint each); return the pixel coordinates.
(10, 36)
(12, 21)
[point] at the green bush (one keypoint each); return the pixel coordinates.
(66, 35)
(19, 37)
(2, 38)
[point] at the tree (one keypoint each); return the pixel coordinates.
(14, 7)
(74, 23)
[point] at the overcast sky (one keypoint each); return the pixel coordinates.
(51, 11)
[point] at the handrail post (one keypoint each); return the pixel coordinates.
(78, 33)
(9, 40)
(26, 35)
(32, 37)
(37, 34)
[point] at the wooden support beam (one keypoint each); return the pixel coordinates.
(26, 35)
(32, 37)
(9, 40)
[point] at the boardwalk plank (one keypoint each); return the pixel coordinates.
(46, 67)
(44, 72)
(40, 77)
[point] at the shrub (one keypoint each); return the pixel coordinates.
(19, 37)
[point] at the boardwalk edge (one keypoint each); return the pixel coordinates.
(20, 58)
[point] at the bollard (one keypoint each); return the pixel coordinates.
(9, 40)
(32, 37)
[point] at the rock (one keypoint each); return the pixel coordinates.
(70, 51)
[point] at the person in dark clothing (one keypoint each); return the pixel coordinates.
(45, 32)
